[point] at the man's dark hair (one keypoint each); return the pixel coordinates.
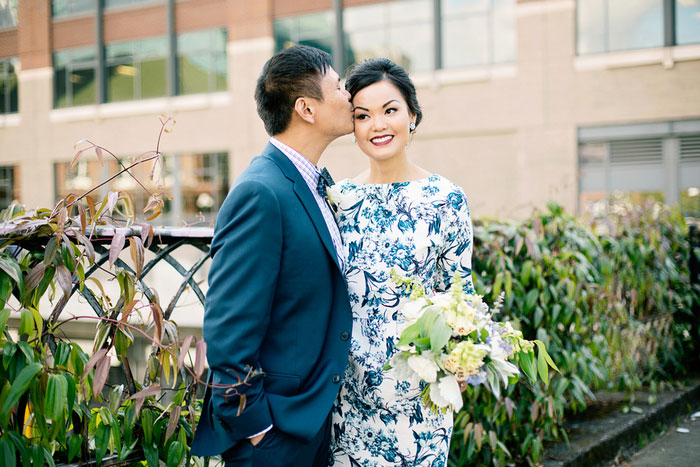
(290, 73)
(379, 69)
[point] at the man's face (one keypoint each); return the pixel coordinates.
(334, 112)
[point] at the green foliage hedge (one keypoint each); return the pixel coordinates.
(610, 296)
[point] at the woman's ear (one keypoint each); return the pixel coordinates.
(303, 108)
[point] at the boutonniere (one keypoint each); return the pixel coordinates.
(333, 195)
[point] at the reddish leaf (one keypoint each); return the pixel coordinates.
(101, 374)
(89, 249)
(127, 310)
(34, 277)
(91, 205)
(519, 245)
(157, 314)
(98, 151)
(152, 390)
(116, 247)
(83, 218)
(200, 357)
(97, 356)
(65, 279)
(183, 351)
(75, 146)
(61, 221)
(173, 421)
(137, 254)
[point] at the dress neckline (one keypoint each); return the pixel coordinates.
(392, 184)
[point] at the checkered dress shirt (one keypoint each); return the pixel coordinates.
(310, 174)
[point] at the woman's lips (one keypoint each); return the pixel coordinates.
(381, 140)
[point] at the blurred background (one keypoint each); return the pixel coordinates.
(524, 100)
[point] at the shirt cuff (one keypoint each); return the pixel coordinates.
(258, 434)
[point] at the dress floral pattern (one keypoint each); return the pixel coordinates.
(422, 230)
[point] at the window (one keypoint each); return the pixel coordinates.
(7, 186)
(74, 77)
(109, 4)
(650, 160)
(687, 21)
(610, 25)
(315, 29)
(60, 8)
(196, 183)
(202, 61)
(477, 32)
(136, 69)
(8, 14)
(8, 86)
(400, 30)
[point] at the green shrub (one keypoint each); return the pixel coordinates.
(605, 294)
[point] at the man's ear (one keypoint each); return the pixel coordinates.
(304, 109)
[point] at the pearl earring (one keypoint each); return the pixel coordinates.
(412, 126)
(354, 140)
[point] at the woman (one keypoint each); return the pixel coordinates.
(395, 215)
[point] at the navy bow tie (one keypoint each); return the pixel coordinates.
(324, 180)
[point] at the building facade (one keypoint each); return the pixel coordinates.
(524, 100)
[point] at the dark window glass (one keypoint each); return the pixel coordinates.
(400, 30)
(71, 7)
(609, 25)
(687, 21)
(8, 14)
(8, 86)
(314, 29)
(7, 186)
(136, 69)
(202, 63)
(74, 77)
(478, 32)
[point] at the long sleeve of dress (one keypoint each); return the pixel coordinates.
(456, 254)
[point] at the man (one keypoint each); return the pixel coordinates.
(277, 300)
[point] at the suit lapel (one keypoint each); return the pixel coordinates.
(301, 189)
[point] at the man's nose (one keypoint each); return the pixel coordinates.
(347, 94)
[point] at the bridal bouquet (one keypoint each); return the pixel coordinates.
(451, 337)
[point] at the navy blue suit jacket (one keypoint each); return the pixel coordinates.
(277, 301)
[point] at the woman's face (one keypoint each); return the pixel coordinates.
(381, 119)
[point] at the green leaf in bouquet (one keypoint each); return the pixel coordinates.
(409, 335)
(422, 343)
(427, 319)
(440, 334)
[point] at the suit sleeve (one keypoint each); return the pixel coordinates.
(246, 253)
(456, 254)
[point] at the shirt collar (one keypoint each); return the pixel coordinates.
(303, 165)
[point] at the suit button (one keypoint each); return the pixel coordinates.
(336, 379)
(345, 336)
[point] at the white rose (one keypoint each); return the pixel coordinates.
(447, 393)
(333, 193)
(443, 300)
(425, 367)
(412, 310)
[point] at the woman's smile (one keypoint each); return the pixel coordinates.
(381, 140)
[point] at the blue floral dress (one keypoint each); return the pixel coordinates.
(422, 230)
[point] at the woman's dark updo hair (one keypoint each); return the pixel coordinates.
(375, 70)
